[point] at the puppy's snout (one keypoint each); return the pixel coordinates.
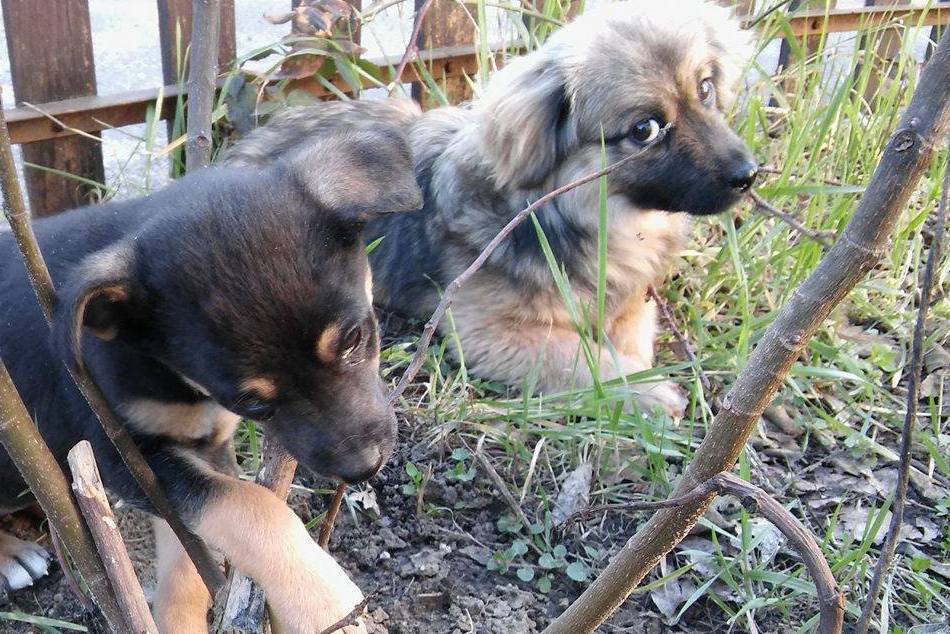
(365, 465)
(741, 176)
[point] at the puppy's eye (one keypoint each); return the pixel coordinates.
(646, 131)
(707, 92)
(252, 406)
(351, 342)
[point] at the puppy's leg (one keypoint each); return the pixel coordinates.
(181, 600)
(633, 332)
(21, 562)
(306, 589)
(513, 349)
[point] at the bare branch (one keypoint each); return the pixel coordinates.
(413, 47)
(503, 489)
(131, 455)
(771, 210)
(203, 68)
(755, 500)
(886, 559)
(350, 619)
(326, 528)
(19, 435)
(240, 608)
(87, 485)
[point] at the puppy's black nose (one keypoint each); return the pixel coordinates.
(743, 176)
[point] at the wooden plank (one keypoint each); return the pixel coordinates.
(845, 20)
(38, 32)
(171, 14)
(92, 114)
(446, 24)
(935, 34)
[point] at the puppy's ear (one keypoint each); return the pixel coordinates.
(359, 172)
(98, 298)
(521, 112)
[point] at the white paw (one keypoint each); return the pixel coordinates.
(665, 395)
(21, 562)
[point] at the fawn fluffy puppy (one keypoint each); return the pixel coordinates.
(232, 292)
(619, 75)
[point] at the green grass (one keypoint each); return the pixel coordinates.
(821, 141)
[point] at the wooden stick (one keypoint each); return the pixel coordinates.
(755, 500)
(87, 485)
(326, 527)
(35, 462)
(860, 247)
(413, 48)
(68, 574)
(203, 67)
(886, 559)
(131, 455)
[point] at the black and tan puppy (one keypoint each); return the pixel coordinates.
(618, 75)
(230, 293)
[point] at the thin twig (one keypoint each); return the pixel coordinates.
(886, 560)
(771, 210)
(413, 47)
(452, 289)
(755, 500)
(688, 349)
(326, 527)
(701, 492)
(503, 489)
(240, 607)
(350, 619)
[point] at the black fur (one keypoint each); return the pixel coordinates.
(224, 276)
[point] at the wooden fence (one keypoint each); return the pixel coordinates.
(51, 60)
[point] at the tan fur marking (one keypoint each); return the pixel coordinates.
(112, 294)
(326, 343)
(181, 421)
(306, 589)
(262, 386)
(181, 600)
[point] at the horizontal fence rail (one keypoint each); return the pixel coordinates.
(92, 114)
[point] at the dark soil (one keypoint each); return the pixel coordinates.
(423, 559)
(425, 572)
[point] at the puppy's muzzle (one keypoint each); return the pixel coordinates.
(741, 175)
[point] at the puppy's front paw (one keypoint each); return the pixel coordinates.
(665, 395)
(21, 562)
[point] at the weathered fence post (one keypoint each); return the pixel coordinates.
(176, 16)
(446, 24)
(39, 34)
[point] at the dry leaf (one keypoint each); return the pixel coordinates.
(574, 495)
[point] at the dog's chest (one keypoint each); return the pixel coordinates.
(640, 250)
